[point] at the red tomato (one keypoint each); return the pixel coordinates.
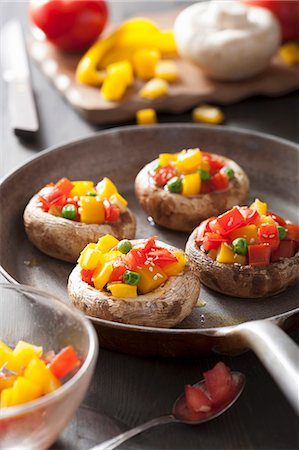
(70, 24)
(215, 166)
(268, 232)
(135, 258)
(287, 13)
(259, 254)
(118, 271)
(64, 362)
(292, 232)
(150, 243)
(280, 220)
(220, 181)
(112, 212)
(219, 383)
(162, 257)
(250, 215)
(212, 241)
(229, 221)
(51, 196)
(163, 175)
(86, 276)
(196, 399)
(202, 229)
(65, 185)
(286, 249)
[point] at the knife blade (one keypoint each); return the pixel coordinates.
(16, 72)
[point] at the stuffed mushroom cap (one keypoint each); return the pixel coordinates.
(164, 307)
(177, 212)
(64, 239)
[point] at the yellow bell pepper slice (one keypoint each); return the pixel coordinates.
(154, 88)
(191, 184)
(122, 290)
(226, 254)
(37, 372)
(24, 352)
(89, 258)
(207, 114)
(166, 158)
(81, 187)
(166, 70)
(113, 88)
(106, 188)
(100, 278)
(6, 398)
(119, 201)
(92, 210)
(266, 219)
(144, 63)
(176, 267)
(25, 391)
(189, 161)
(249, 232)
(106, 243)
(146, 116)
(123, 70)
(151, 278)
(109, 256)
(259, 206)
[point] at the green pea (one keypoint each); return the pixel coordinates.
(124, 246)
(69, 211)
(175, 185)
(240, 246)
(204, 174)
(229, 172)
(91, 194)
(131, 277)
(282, 232)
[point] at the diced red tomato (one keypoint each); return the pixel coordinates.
(215, 166)
(65, 185)
(229, 221)
(196, 399)
(212, 241)
(202, 229)
(292, 232)
(86, 276)
(118, 271)
(250, 215)
(268, 232)
(220, 181)
(112, 212)
(280, 220)
(219, 383)
(162, 257)
(51, 195)
(206, 187)
(259, 254)
(135, 258)
(150, 243)
(163, 175)
(286, 249)
(63, 363)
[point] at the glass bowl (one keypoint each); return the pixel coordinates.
(34, 316)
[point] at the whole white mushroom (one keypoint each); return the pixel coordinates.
(228, 40)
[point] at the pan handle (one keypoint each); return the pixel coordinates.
(278, 353)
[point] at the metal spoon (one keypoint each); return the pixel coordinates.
(177, 415)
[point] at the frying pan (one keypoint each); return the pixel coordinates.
(219, 324)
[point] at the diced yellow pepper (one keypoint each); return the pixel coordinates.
(266, 219)
(289, 53)
(7, 381)
(123, 70)
(37, 372)
(117, 54)
(159, 40)
(166, 70)
(101, 278)
(25, 391)
(146, 116)
(144, 63)
(81, 187)
(122, 290)
(166, 158)
(240, 259)
(226, 254)
(106, 188)
(106, 243)
(92, 210)
(176, 267)
(6, 398)
(259, 206)
(109, 256)
(249, 232)
(119, 201)
(154, 88)
(191, 184)
(89, 258)
(207, 114)
(213, 254)
(189, 161)
(151, 278)
(113, 88)
(24, 352)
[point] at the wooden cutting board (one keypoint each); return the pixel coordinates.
(189, 90)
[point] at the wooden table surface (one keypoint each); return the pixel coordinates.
(127, 390)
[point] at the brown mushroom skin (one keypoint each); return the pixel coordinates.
(64, 239)
(176, 212)
(164, 307)
(243, 281)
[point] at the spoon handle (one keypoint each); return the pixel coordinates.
(116, 441)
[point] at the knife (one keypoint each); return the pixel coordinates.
(16, 72)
